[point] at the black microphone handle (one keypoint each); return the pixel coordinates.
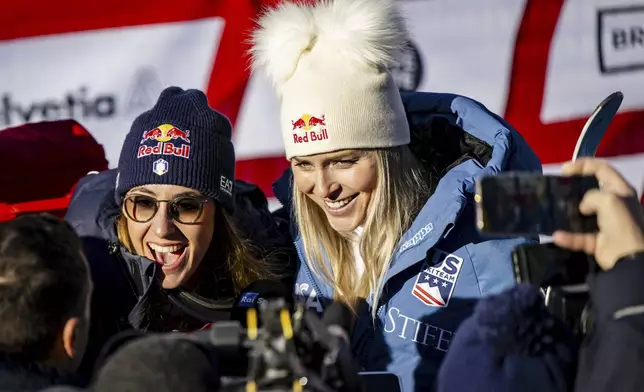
(231, 358)
(338, 320)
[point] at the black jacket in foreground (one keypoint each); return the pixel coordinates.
(17, 375)
(612, 355)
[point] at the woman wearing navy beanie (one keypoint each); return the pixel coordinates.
(171, 237)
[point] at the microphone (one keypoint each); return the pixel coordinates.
(159, 363)
(246, 304)
(338, 319)
(339, 367)
(227, 336)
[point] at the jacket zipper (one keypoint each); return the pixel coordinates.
(310, 275)
(138, 279)
(364, 355)
(367, 345)
(134, 277)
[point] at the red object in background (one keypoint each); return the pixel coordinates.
(57, 207)
(41, 164)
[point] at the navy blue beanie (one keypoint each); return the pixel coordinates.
(180, 141)
(510, 343)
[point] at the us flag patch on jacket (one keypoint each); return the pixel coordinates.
(434, 285)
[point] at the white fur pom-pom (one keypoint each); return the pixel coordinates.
(343, 32)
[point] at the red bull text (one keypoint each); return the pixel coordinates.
(314, 129)
(182, 151)
(163, 134)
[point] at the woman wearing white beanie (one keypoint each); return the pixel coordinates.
(380, 197)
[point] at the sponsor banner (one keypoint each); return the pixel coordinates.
(104, 78)
(544, 65)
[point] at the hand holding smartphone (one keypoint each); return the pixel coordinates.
(530, 204)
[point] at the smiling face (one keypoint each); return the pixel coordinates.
(341, 183)
(177, 247)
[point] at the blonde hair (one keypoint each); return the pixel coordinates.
(243, 266)
(400, 192)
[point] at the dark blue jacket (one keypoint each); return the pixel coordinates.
(17, 375)
(443, 265)
(123, 282)
(612, 354)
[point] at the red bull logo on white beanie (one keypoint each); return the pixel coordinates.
(314, 129)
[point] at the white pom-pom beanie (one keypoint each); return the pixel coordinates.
(329, 65)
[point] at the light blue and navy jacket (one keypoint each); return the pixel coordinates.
(442, 265)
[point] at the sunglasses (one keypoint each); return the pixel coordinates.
(184, 209)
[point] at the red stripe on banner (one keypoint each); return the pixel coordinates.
(555, 142)
(226, 95)
(231, 71)
(530, 62)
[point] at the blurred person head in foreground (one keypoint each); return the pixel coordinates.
(510, 343)
(45, 291)
(158, 363)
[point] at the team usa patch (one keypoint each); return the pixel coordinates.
(167, 140)
(434, 285)
(160, 167)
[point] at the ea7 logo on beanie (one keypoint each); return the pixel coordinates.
(164, 135)
(314, 129)
(226, 185)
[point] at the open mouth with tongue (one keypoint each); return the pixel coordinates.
(171, 257)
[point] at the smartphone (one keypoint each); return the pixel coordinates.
(565, 274)
(531, 204)
(545, 265)
(380, 381)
